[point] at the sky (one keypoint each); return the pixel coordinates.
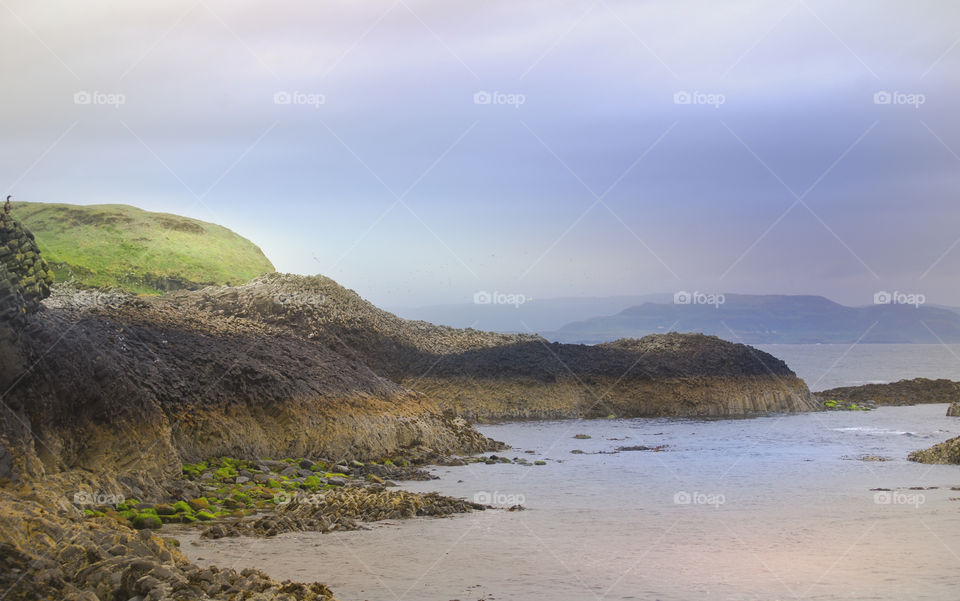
(422, 151)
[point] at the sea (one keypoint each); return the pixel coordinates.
(815, 506)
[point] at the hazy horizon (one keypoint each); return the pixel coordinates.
(419, 152)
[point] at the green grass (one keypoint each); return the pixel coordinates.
(119, 246)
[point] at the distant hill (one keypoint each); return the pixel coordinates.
(119, 246)
(534, 315)
(765, 319)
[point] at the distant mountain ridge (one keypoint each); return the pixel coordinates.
(534, 315)
(769, 319)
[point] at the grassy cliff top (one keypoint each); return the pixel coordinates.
(119, 246)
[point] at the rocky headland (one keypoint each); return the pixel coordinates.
(483, 375)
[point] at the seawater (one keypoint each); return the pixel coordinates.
(777, 507)
(826, 366)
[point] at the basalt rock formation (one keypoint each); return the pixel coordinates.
(499, 376)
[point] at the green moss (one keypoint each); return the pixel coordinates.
(226, 472)
(312, 483)
(538, 462)
(242, 497)
(144, 521)
(198, 504)
(204, 516)
(182, 507)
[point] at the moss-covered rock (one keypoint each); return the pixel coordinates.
(25, 278)
(145, 521)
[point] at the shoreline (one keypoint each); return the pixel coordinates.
(566, 493)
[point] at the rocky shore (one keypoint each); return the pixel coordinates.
(123, 413)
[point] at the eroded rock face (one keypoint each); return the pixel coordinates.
(27, 277)
(129, 388)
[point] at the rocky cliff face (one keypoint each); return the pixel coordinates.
(130, 388)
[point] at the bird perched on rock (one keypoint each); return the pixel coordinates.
(6, 207)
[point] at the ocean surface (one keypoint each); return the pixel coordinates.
(777, 507)
(826, 366)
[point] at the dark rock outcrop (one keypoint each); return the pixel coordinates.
(903, 392)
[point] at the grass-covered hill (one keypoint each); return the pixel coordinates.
(119, 246)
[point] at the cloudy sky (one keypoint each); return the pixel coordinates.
(418, 151)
